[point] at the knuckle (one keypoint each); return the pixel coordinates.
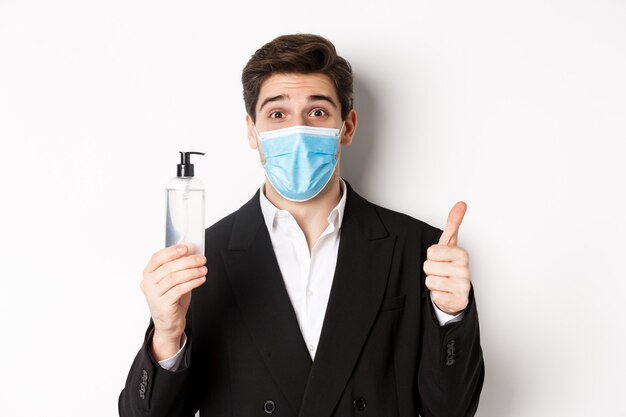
(464, 257)
(438, 298)
(173, 295)
(464, 274)
(170, 279)
(197, 261)
(166, 282)
(166, 268)
(431, 282)
(190, 262)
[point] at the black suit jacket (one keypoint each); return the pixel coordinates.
(381, 350)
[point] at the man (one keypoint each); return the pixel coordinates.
(313, 301)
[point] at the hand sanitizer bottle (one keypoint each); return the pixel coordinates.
(184, 208)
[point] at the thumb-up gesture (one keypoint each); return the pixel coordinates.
(447, 267)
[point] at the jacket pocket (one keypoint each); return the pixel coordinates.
(393, 303)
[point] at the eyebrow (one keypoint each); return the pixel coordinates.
(320, 97)
(314, 97)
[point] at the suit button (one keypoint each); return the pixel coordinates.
(450, 344)
(269, 407)
(359, 404)
(450, 362)
(451, 350)
(142, 391)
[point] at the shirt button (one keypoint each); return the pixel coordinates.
(309, 294)
(311, 348)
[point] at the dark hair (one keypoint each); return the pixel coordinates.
(301, 54)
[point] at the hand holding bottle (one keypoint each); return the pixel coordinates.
(167, 282)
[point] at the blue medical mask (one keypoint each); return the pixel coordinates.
(300, 160)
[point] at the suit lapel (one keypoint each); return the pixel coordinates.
(260, 292)
(363, 263)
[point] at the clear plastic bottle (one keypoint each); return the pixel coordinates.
(184, 207)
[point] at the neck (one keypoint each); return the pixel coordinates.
(311, 215)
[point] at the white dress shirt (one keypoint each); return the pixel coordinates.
(308, 276)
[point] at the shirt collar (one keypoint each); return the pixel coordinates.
(271, 212)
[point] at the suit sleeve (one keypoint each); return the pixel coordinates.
(451, 371)
(152, 391)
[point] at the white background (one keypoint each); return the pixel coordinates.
(516, 107)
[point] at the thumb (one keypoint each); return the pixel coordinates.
(450, 233)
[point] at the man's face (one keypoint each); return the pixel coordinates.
(298, 99)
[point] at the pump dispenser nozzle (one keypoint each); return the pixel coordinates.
(184, 209)
(185, 168)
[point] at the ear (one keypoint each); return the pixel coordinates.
(252, 139)
(349, 129)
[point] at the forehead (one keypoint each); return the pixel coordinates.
(297, 86)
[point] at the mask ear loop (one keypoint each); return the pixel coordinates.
(341, 130)
(339, 138)
(259, 140)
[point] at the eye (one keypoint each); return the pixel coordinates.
(318, 113)
(276, 115)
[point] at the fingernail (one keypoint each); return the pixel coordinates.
(180, 249)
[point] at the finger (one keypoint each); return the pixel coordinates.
(165, 255)
(451, 231)
(443, 253)
(449, 303)
(438, 283)
(176, 292)
(446, 269)
(186, 262)
(441, 298)
(445, 284)
(444, 301)
(178, 278)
